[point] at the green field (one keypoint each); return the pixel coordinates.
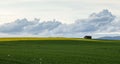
(58, 51)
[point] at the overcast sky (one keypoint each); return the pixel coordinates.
(66, 11)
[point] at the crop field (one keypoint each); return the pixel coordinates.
(58, 51)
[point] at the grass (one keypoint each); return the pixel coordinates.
(58, 51)
(30, 38)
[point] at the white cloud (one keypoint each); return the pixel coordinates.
(42, 27)
(64, 10)
(102, 22)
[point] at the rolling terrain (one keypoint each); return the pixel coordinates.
(58, 51)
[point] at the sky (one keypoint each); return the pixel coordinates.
(100, 24)
(66, 11)
(59, 18)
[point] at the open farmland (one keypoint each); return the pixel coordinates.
(58, 51)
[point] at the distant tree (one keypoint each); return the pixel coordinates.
(87, 37)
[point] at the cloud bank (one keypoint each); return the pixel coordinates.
(102, 22)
